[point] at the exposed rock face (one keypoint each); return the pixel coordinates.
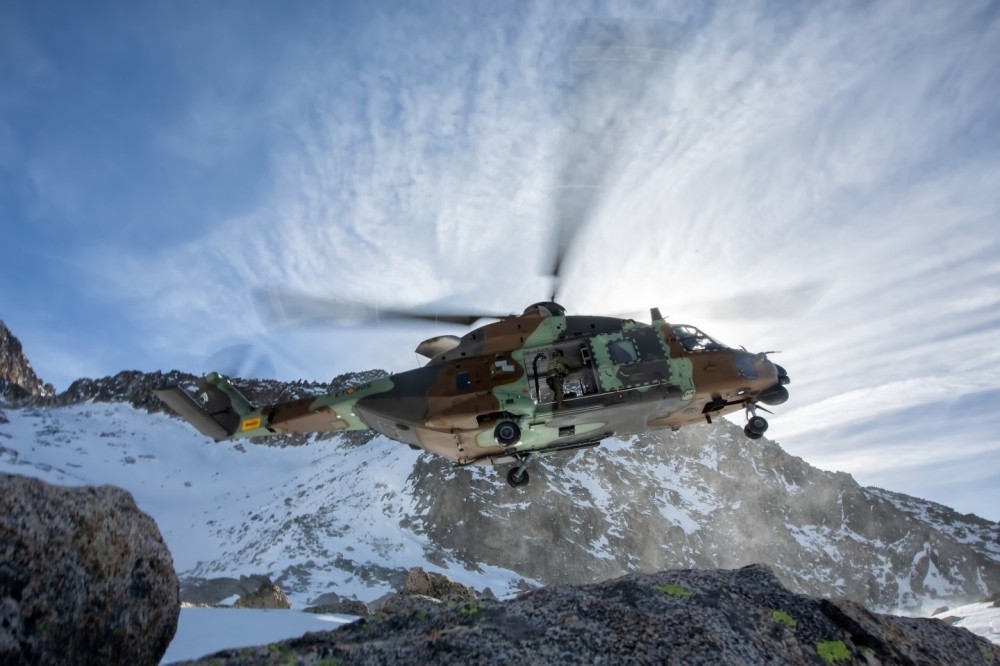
(267, 595)
(343, 606)
(214, 590)
(686, 617)
(706, 497)
(17, 378)
(436, 586)
(405, 604)
(85, 577)
(421, 589)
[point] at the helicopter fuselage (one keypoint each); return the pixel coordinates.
(621, 376)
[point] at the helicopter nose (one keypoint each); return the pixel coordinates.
(777, 394)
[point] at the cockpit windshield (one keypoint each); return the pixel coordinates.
(694, 340)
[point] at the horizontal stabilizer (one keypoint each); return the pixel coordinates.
(218, 425)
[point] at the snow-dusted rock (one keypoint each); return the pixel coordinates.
(436, 586)
(85, 577)
(212, 591)
(267, 595)
(742, 616)
(422, 588)
(341, 607)
(405, 604)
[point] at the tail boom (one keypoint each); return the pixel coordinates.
(221, 412)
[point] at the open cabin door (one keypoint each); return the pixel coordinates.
(600, 364)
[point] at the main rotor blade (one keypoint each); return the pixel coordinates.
(781, 303)
(284, 308)
(611, 65)
(752, 305)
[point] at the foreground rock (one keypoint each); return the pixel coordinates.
(742, 616)
(85, 577)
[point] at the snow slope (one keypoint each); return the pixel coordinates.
(231, 509)
(982, 619)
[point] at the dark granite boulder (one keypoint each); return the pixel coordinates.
(85, 577)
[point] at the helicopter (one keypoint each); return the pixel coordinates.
(542, 382)
(520, 388)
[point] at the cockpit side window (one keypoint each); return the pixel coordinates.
(622, 351)
(695, 340)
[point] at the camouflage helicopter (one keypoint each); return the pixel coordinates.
(519, 388)
(541, 382)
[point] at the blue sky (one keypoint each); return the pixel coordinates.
(826, 172)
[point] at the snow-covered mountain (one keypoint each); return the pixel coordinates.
(349, 515)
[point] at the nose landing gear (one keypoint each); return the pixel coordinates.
(756, 425)
(518, 476)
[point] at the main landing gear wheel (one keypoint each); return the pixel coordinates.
(507, 433)
(751, 434)
(517, 476)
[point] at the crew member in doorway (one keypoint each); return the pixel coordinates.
(559, 368)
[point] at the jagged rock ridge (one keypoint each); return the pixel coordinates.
(17, 378)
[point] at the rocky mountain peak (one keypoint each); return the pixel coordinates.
(17, 378)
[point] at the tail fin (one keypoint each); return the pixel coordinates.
(219, 412)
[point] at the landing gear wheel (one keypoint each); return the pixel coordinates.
(750, 433)
(507, 433)
(517, 476)
(756, 425)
